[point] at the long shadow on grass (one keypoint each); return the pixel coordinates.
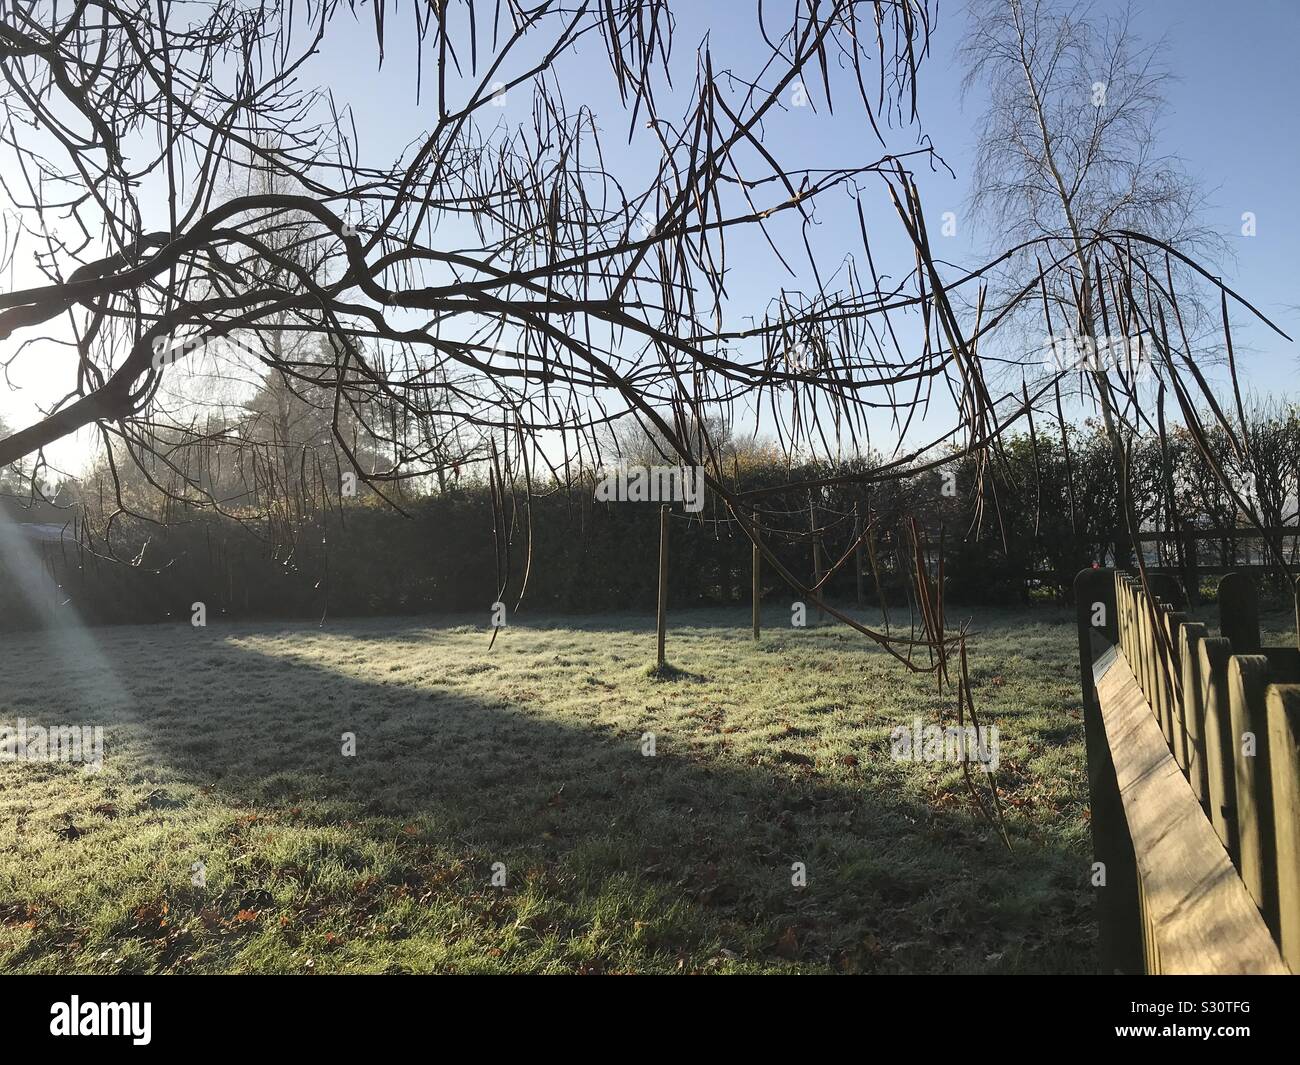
(612, 859)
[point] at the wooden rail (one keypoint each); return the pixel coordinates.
(1194, 772)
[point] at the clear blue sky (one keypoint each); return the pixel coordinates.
(1231, 116)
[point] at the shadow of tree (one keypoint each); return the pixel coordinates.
(611, 858)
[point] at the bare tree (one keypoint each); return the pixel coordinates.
(502, 274)
(1068, 140)
(1067, 164)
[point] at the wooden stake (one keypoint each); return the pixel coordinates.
(757, 557)
(857, 550)
(663, 581)
(817, 560)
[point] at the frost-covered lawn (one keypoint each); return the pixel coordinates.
(224, 747)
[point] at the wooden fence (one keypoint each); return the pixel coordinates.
(1193, 747)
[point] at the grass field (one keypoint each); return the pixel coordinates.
(223, 746)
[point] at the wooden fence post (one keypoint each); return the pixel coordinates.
(1146, 610)
(1247, 694)
(1146, 661)
(662, 620)
(758, 556)
(1124, 597)
(1095, 599)
(1217, 729)
(1239, 613)
(1190, 640)
(1159, 671)
(1142, 641)
(1118, 916)
(1174, 622)
(1284, 757)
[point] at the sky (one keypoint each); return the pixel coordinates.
(1230, 116)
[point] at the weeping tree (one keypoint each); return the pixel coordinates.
(507, 275)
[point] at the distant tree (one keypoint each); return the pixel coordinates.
(307, 444)
(1067, 165)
